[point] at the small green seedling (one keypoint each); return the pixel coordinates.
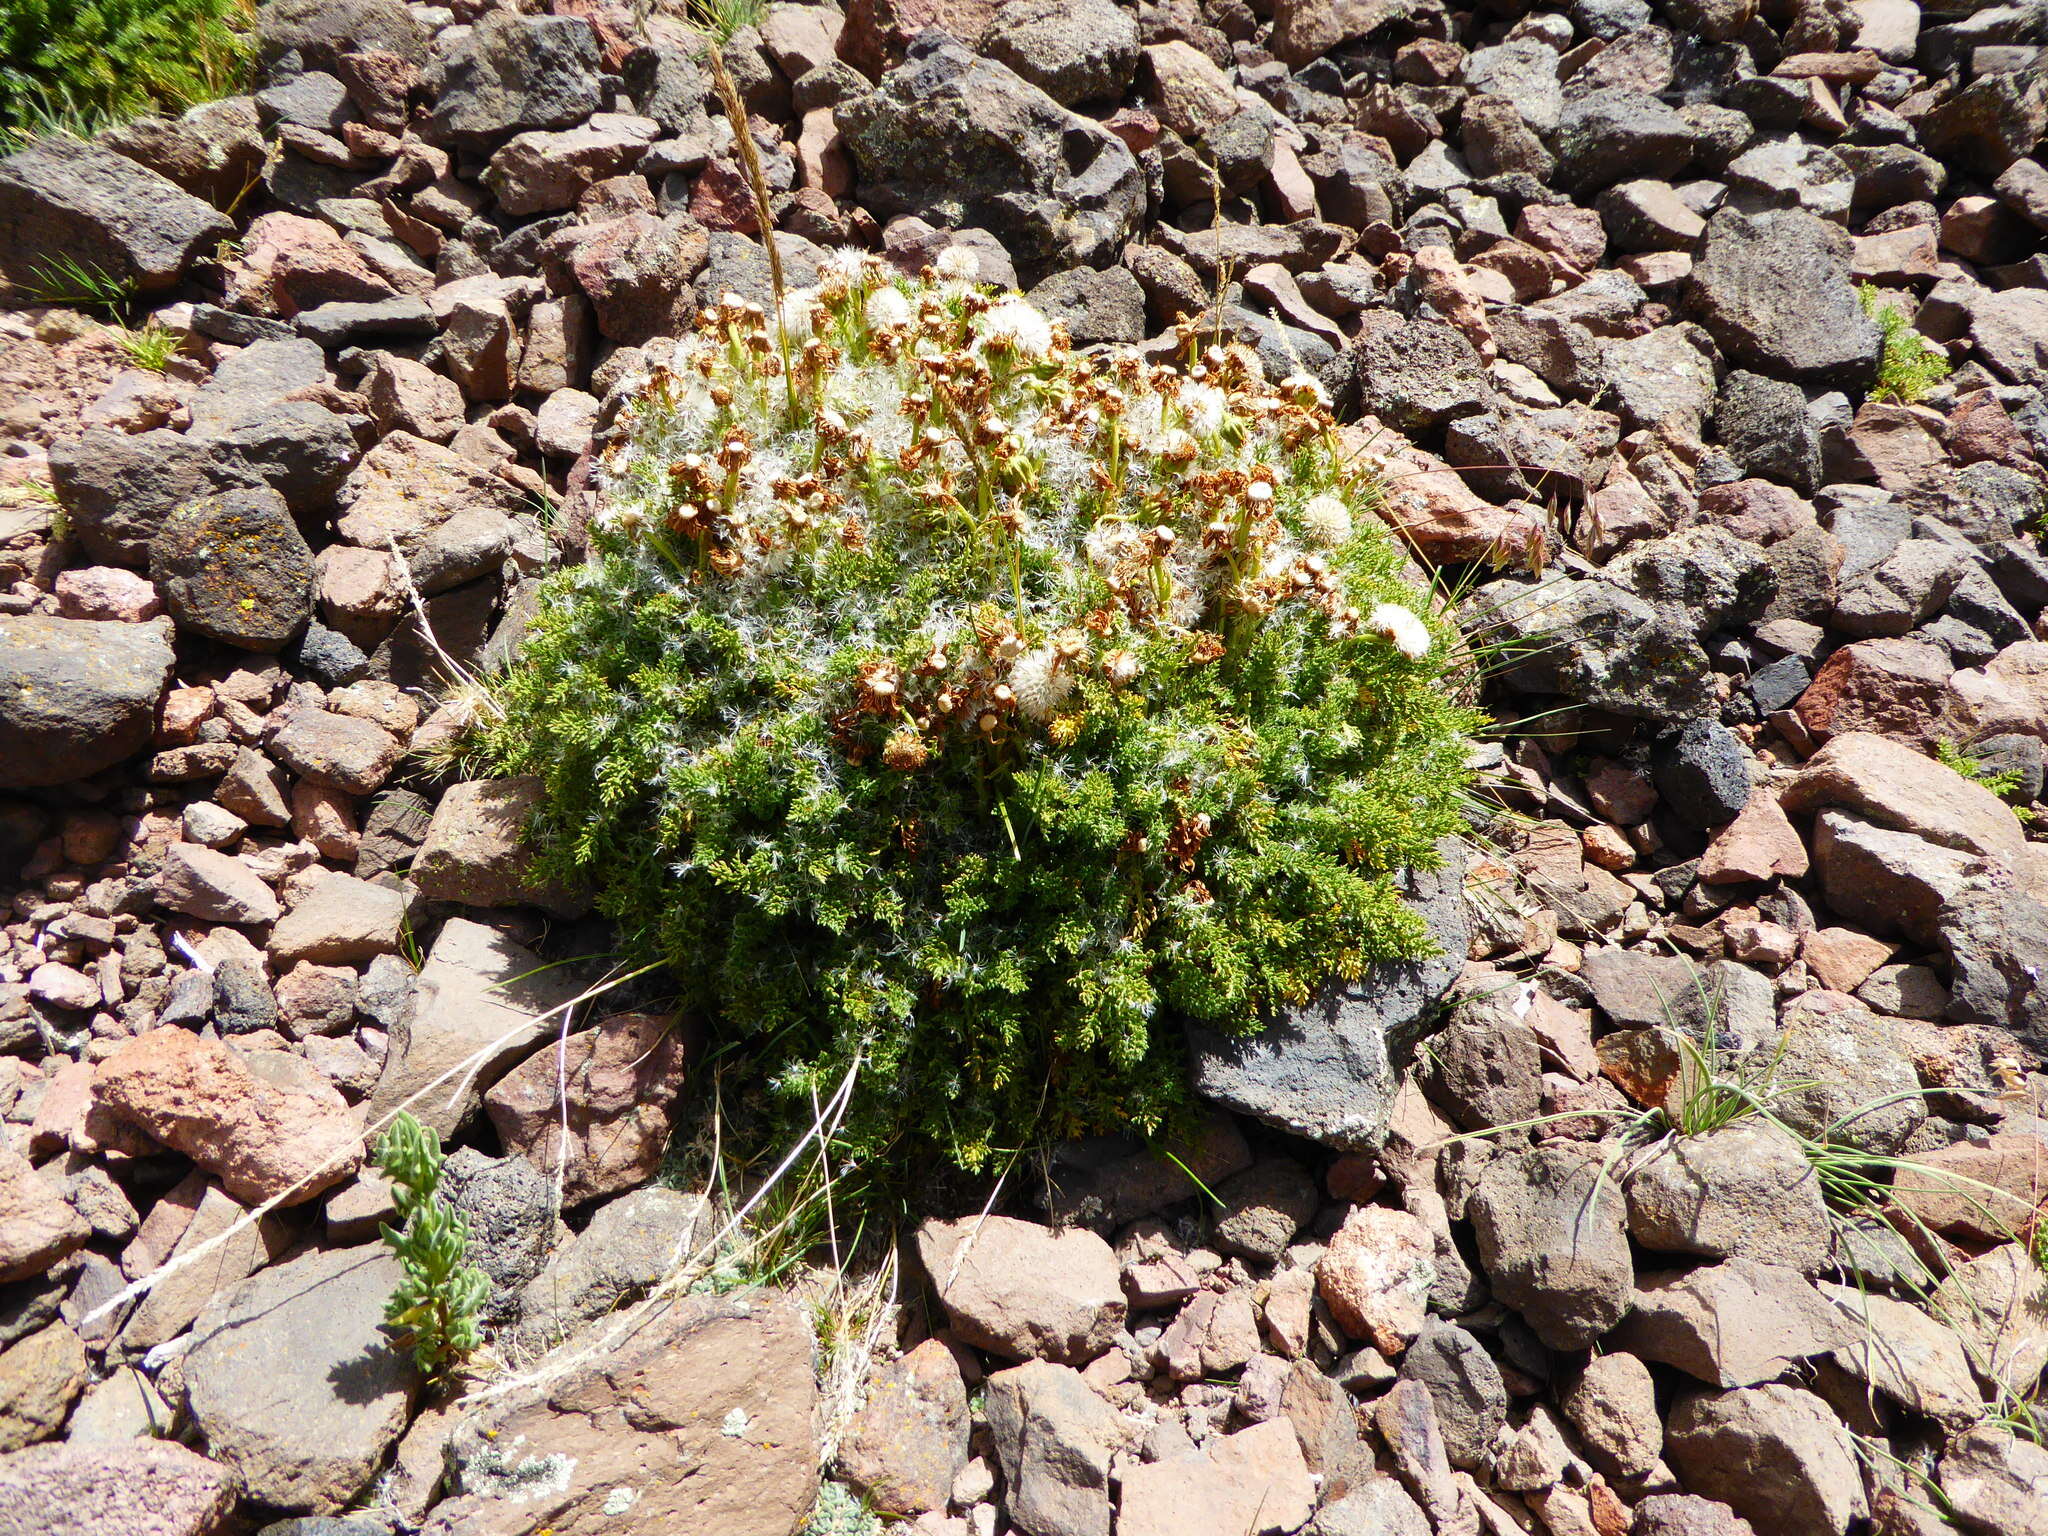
(437, 1302)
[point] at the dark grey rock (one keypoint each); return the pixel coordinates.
(1074, 50)
(1619, 135)
(1323, 1071)
(1775, 686)
(1464, 1383)
(76, 695)
(1992, 121)
(236, 328)
(1485, 1067)
(64, 199)
(1263, 1208)
(967, 138)
(631, 1244)
(1997, 944)
(1593, 642)
(509, 1205)
(300, 450)
(255, 380)
(669, 86)
(314, 100)
(118, 488)
(234, 567)
(342, 324)
(332, 658)
(1413, 374)
(828, 85)
(1740, 285)
(1703, 773)
(1788, 173)
(319, 31)
(1094, 306)
(1764, 425)
(512, 73)
(1553, 1239)
(242, 999)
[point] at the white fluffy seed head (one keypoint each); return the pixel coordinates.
(1040, 683)
(887, 306)
(1326, 521)
(961, 263)
(1014, 322)
(1401, 629)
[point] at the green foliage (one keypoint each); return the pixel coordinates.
(720, 19)
(1911, 365)
(82, 285)
(440, 1294)
(939, 702)
(2001, 782)
(841, 1512)
(80, 65)
(151, 347)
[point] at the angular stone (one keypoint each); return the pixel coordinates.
(622, 1080)
(1888, 882)
(1998, 1302)
(1743, 1191)
(337, 751)
(1465, 1384)
(342, 919)
(1612, 1403)
(1056, 189)
(1552, 1237)
(475, 853)
(1074, 50)
(1760, 844)
(694, 1416)
(451, 520)
(214, 886)
(1894, 786)
(76, 695)
(510, 1207)
(909, 1440)
(1322, 1071)
(66, 198)
(1996, 1481)
(1251, 1483)
(481, 1003)
(1978, 1192)
(1376, 1276)
(632, 1244)
(1054, 1437)
(211, 1255)
(38, 1226)
(1022, 1290)
(218, 1107)
(1776, 1455)
(515, 72)
(41, 1376)
(1907, 1355)
(1892, 687)
(1740, 281)
(1733, 1324)
(294, 1381)
(91, 1488)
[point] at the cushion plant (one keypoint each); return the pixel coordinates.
(939, 699)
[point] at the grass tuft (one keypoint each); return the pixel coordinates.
(152, 347)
